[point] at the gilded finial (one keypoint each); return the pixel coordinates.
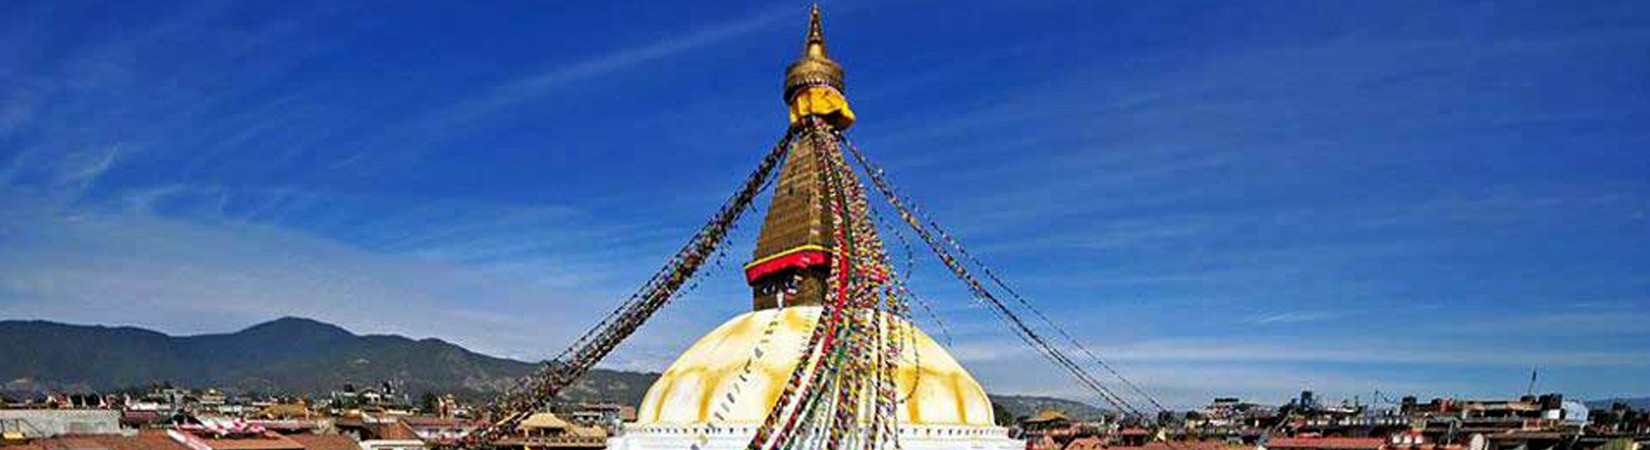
(815, 67)
(814, 46)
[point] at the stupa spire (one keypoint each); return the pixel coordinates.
(789, 266)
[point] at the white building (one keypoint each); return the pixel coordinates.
(45, 423)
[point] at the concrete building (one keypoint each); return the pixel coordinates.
(45, 423)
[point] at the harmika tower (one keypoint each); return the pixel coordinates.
(789, 267)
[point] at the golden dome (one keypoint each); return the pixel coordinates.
(710, 384)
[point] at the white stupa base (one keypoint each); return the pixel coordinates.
(708, 437)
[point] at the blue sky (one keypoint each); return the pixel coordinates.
(1223, 198)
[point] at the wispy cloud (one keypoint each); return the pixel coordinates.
(1237, 349)
(1558, 324)
(1289, 317)
(434, 126)
(80, 170)
(191, 277)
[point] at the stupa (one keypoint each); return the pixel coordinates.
(719, 391)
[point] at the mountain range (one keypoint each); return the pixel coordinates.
(306, 357)
(297, 356)
(1018, 406)
(285, 356)
(1639, 403)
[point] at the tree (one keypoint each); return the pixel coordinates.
(1004, 417)
(428, 402)
(1167, 418)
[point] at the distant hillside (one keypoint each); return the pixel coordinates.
(288, 355)
(303, 356)
(1640, 403)
(1026, 405)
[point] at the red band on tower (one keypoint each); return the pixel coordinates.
(800, 257)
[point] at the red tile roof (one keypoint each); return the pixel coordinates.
(1338, 443)
(274, 442)
(266, 441)
(144, 440)
(72, 443)
(1176, 445)
(150, 439)
(1088, 443)
(395, 431)
(325, 441)
(348, 422)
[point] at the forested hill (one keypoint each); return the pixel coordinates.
(284, 356)
(303, 357)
